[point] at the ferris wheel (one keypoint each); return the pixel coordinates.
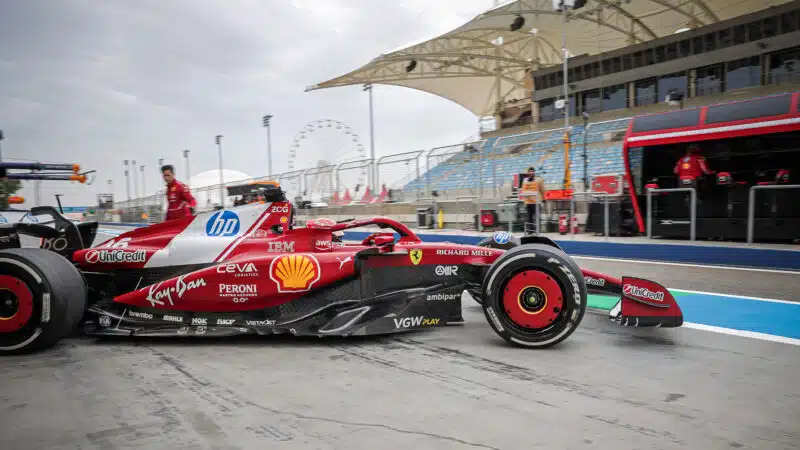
(320, 146)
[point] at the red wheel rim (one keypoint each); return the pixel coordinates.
(16, 304)
(533, 299)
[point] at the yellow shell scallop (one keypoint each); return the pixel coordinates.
(295, 271)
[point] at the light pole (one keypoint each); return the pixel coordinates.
(373, 172)
(567, 181)
(265, 123)
(585, 161)
(218, 139)
(127, 182)
(186, 160)
(135, 181)
(144, 185)
(2, 136)
(564, 6)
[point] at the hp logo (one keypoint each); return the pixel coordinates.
(502, 237)
(223, 223)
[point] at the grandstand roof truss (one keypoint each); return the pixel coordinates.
(482, 64)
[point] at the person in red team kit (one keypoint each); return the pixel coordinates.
(180, 202)
(692, 165)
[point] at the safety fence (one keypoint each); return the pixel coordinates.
(779, 216)
(482, 168)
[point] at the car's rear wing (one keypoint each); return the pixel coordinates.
(74, 236)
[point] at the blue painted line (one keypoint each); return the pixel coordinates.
(777, 319)
(689, 254)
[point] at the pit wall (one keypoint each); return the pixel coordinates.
(457, 214)
(714, 255)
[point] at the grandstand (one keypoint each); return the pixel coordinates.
(502, 158)
(626, 58)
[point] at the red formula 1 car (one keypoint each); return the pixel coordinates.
(247, 270)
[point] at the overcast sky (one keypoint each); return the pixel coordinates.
(99, 81)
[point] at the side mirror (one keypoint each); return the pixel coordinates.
(383, 240)
(385, 243)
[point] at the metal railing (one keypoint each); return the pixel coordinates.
(606, 221)
(692, 210)
(405, 157)
(463, 210)
(751, 206)
(536, 214)
(449, 151)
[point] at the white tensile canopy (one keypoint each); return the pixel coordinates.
(482, 64)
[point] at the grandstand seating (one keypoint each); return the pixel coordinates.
(461, 170)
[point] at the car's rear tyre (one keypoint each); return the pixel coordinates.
(534, 296)
(42, 299)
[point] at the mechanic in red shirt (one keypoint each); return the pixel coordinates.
(180, 202)
(692, 165)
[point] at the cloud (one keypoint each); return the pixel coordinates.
(97, 82)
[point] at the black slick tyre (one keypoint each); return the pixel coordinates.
(534, 296)
(42, 299)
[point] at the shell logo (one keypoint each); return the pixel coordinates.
(295, 272)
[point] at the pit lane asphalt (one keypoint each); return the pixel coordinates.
(454, 387)
(782, 285)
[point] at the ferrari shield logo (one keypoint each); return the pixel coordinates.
(415, 255)
(294, 273)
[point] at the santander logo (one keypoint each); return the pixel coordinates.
(641, 292)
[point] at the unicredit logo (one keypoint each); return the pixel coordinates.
(115, 256)
(641, 292)
(596, 281)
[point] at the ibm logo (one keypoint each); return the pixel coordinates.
(223, 223)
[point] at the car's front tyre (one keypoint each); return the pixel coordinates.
(42, 299)
(534, 296)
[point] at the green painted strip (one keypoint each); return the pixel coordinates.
(607, 302)
(601, 301)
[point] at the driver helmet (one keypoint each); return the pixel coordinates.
(323, 222)
(724, 179)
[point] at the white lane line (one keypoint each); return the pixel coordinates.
(743, 297)
(704, 266)
(742, 333)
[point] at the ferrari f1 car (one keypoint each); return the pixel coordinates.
(248, 270)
